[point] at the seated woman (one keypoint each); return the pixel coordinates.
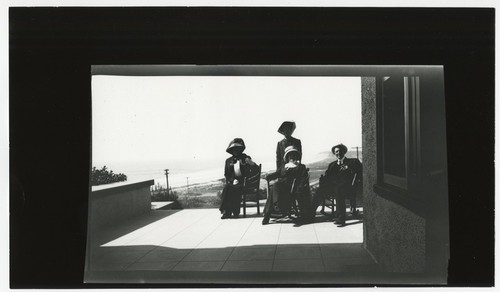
(235, 170)
(292, 184)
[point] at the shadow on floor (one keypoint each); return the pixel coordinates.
(272, 264)
(314, 265)
(337, 264)
(100, 237)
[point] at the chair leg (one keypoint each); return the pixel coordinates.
(333, 206)
(258, 205)
(244, 205)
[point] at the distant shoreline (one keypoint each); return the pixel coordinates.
(206, 181)
(316, 169)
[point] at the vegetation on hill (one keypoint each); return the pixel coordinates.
(160, 194)
(104, 176)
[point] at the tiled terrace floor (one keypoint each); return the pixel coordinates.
(196, 246)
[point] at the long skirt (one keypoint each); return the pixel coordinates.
(231, 199)
(279, 199)
(306, 210)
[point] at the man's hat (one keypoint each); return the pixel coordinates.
(289, 150)
(236, 142)
(341, 147)
(287, 124)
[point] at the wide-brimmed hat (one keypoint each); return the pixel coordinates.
(236, 142)
(287, 124)
(341, 147)
(289, 150)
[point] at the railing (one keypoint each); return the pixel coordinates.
(113, 203)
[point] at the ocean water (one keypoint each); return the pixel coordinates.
(184, 173)
(179, 175)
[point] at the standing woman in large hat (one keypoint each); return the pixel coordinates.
(286, 129)
(234, 170)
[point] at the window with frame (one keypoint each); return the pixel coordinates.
(398, 128)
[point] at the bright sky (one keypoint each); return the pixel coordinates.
(193, 118)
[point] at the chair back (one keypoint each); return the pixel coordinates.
(251, 186)
(252, 181)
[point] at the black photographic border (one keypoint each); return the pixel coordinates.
(51, 51)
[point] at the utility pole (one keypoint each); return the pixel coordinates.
(166, 174)
(357, 152)
(187, 185)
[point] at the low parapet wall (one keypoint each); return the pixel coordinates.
(113, 203)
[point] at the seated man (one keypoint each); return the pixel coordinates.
(341, 179)
(292, 184)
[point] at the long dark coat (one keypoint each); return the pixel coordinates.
(231, 194)
(344, 177)
(280, 150)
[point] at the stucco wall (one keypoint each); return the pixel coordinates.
(393, 235)
(112, 204)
